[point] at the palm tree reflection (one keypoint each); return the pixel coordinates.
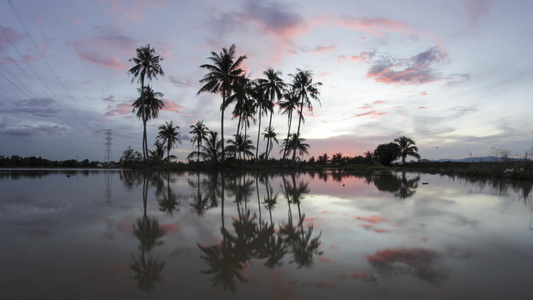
(252, 239)
(147, 230)
(401, 187)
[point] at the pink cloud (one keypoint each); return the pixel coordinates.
(475, 10)
(171, 106)
(123, 108)
(133, 11)
(376, 26)
(379, 102)
(110, 49)
(419, 69)
(372, 114)
(362, 57)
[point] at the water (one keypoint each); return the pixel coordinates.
(127, 235)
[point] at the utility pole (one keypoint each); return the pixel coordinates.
(107, 143)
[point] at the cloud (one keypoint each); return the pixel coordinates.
(372, 114)
(28, 130)
(362, 57)
(456, 79)
(123, 108)
(111, 98)
(12, 37)
(320, 49)
(178, 83)
(275, 20)
(376, 26)
(419, 69)
(108, 49)
(133, 11)
(475, 10)
(171, 106)
(40, 107)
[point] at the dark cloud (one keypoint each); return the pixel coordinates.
(28, 131)
(41, 107)
(272, 17)
(111, 98)
(419, 69)
(456, 79)
(179, 83)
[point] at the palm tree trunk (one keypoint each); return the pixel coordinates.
(269, 138)
(145, 156)
(145, 143)
(288, 134)
(198, 154)
(258, 135)
(222, 123)
(298, 131)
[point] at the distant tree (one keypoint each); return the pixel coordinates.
(199, 134)
(270, 134)
(385, 154)
(295, 144)
(336, 158)
(369, 157)
(130, 155)
(323, 159)
(170, 136)
(212, 150)
(147, 66)
(158, 153)
(241, 146)
(407, 148)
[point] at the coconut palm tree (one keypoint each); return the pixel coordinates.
(295, 144)
(158, 153)
(241, 146)
(287, 105)
(270, 134)
(147, 66)
(147, 106)
(170, 136)
(244, 103)
(407, 148)
(306, 90)
(263, 106)
(274, 88)
(223, 71)
(199, 134)
(212, 150)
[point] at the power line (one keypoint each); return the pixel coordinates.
(43, 57)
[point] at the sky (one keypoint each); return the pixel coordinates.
(453, 75)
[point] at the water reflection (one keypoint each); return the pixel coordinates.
(251, 238)
(147, 230)
(400, 185)
(292, 235)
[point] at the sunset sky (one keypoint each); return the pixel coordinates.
(454, 75)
